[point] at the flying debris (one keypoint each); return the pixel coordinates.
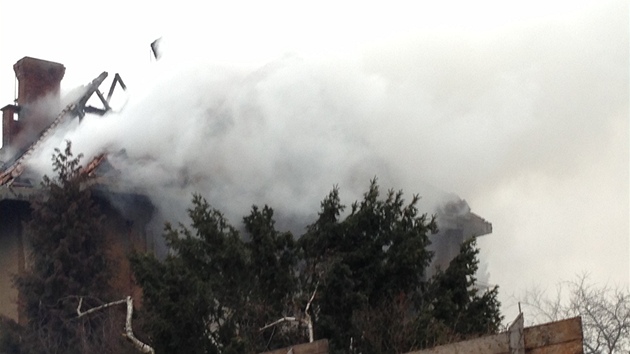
(155, 48)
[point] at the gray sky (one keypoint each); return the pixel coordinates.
(521, 108)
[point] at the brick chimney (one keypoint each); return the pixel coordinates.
(10, 125)
(37, 78)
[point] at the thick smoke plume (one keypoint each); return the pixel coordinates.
(281, 134)
(527, 122)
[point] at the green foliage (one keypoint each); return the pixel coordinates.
(375, 253)
(68, 259)
(194, 293)
(366, 273)
(214, 291)
(273, 258)
(457, 308)
(451, 308)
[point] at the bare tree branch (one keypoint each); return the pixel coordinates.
(308, 304)
(142, 347)
(306, 320)
(98, 308)
(309, 322)
(605, 313)
(283, 319)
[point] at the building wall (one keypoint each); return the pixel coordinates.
(12, 255)
(124, 230)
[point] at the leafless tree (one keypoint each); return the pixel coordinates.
(140, 346)
(605, 312)
(305, 319)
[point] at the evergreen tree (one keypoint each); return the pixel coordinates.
(274, 283)
(214, 291)
(191, 296)
(68, 260)
(365, 274)
(454, 306)
(378, 252)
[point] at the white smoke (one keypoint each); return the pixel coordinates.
(528, 123)
(281, 134)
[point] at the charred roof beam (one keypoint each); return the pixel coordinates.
(117, 80)
(104, 101)
(77, 108)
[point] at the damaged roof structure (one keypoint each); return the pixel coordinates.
(25, 126)
(38, 113)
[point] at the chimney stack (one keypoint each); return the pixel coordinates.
(37, 78)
